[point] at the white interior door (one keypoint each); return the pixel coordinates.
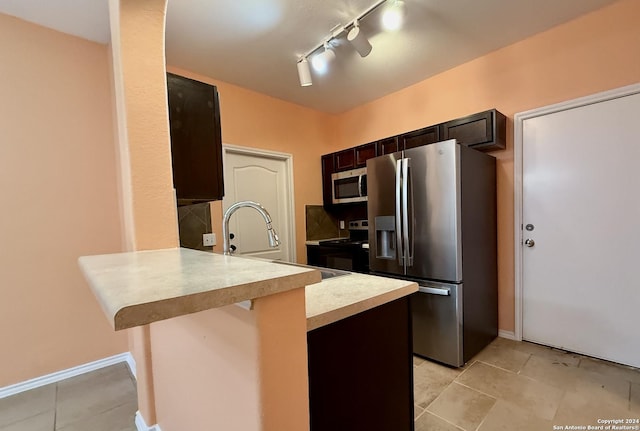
(264, 177)
(580, 196)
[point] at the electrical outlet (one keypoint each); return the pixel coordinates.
(341, 224)
(208, 239)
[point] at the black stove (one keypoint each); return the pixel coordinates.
(350, 254)
(343, 242)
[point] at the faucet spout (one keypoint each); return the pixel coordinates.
(274, 241)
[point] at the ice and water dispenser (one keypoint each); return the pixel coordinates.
(385, 227)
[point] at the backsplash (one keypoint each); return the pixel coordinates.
(321, 224)
(193, 222)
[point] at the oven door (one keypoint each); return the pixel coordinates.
(345, 258)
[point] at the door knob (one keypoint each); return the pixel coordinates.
(529, 242)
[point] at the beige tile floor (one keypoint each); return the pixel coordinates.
(508, 386)
(103, 400)
(523, 386)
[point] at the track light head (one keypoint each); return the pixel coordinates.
(393, 15)
(304, 74)
(359, 40)
(321, 61)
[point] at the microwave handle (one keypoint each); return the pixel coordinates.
(360, 185)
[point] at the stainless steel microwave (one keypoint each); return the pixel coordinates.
(349, 186)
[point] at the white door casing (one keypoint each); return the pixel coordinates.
(576, 180)
(267, 178)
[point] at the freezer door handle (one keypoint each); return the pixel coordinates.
(408, 246)
(399, 248)
(434, 290)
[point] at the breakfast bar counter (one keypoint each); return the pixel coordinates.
(300, 357)
(143, 287)
(140, 288)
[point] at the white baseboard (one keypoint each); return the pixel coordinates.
(510, 335)
(141, 425)
(7, 391)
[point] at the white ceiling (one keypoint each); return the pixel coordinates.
(256, 43)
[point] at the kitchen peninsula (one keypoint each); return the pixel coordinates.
(291, 361)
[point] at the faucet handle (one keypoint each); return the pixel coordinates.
(232, 235)
(233, 248)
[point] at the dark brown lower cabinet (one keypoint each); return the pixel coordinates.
(361, 371)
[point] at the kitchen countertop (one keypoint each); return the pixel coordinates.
(139, 288)
(339, 297)
(143, 287)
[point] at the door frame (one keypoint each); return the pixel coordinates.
(272, 155)
(518, 121)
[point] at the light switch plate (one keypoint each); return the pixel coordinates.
(208, 239)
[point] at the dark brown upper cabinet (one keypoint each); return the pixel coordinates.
(327, 187)
(388, 145)
(485, 131)
(196, 142)
(427, 135)
(345, 159)
(364, 153)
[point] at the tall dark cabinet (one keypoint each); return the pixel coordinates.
(196, 142)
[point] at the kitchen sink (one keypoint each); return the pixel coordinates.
(325, 273)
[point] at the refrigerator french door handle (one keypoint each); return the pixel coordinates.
(408, 257)
(399, 243)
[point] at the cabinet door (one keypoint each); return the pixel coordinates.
(484, 130)
(364, 153)
(345, 159)
(425, 136)
(388, 145)
(327, 170)
(196, 144)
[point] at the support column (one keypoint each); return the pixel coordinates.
(146, 186)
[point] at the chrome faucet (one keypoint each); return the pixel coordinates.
(274, 241)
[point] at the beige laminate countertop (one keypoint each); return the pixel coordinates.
(339, 297)
(142, 287)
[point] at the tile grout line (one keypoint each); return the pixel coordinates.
(499, 368)
(466, 369)
(525, 364)
(479, 391)
(417, 417)
(487, 415)
(439, 395)
(468, 387)
(449, 422)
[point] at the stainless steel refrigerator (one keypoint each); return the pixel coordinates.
(432, 219)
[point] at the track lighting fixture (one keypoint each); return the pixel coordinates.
(304, 74)
(321, 61)
(393, 15)
(359, 40)
(392, 18)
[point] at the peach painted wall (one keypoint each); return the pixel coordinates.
(596, 52)
(60, 201)
(251, 119)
